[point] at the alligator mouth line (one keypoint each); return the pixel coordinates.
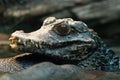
(39, 58)
(15, 42)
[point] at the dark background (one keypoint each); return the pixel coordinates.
(101, 15)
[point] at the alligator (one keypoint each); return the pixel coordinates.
(61, 41)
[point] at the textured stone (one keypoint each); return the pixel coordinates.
(103, 11)
(83, 1)
(59, 14)
(49, 71)
(37, 7)
(62, 14)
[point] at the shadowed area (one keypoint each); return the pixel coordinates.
(47, 71)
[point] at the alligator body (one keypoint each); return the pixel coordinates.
(19, 62)
(65, 41)
(69, 41)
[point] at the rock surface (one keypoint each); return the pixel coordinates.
(103, 11)
(83, 9)
(37, 7)
(49, 71)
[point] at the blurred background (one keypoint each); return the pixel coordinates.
(101, 15)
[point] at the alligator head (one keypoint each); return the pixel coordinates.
(59, 38)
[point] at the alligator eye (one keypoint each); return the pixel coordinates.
(62, 28)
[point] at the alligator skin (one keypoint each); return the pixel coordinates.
(65, 41)
(11, 64)
(17, 63)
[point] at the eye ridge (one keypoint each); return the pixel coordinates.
(62, 28)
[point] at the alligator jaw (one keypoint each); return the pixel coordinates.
(18, 43)
(83, 48)
(63, 38)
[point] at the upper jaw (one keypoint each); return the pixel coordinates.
(39, 40)
(30, 45)
(16, 42)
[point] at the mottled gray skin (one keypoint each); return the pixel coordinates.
(65, 41)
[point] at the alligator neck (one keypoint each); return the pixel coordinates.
(109, 61)
(102, 59)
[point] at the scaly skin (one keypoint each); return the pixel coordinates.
(65, 41)
(13, 64)
(21, 62)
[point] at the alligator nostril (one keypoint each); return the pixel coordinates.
(12, 38)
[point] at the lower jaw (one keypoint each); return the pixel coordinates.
(44, 57)
(38, 58)
(14, 46)
(41, 57)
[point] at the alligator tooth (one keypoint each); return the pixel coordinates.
(20, 41)
(32, 42)
(12, 41)
(25, 43)
(40, 46)
(36, 45)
